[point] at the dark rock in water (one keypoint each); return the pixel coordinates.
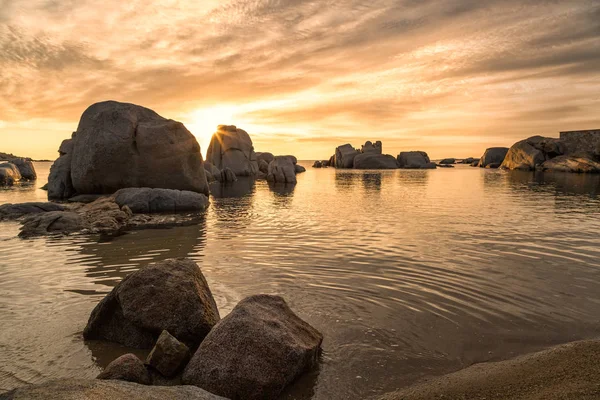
(60, 185)
(85, 198)
(369, 147)
(232, 148)
(147, 201)
(26, 168)
(448, 161)
(344, 156)
(95, 389)
(267, 157)
(14, 211)
(282, 170)
(475, 163)
(429, 165)
(255, 351)
(572, 163)
(298, 169)
(169, 355)
(445, 166)
(318, 164)
(53, 222)
(227, 175)
(105, 216)
(413, 159)
(582, 142)
(127, 368)
(263, 166)
(121, 145)
(374, 160)
(493, 155)
(212, 173)
(468, 161)
(493, 165)
(325, 163)
(9, 174)
(169, 295)
(331, 162)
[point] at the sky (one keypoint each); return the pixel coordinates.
(450, 77)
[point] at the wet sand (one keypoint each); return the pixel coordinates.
(570, 371)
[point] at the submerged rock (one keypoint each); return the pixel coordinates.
(9, 174)
(344, 156)
(572, 163)
(121, 145)
(169, 355)
(255, 351)
(493, 156)
(374, 160)
(95, 389)
(232, 148)
(25, 167)
(147, 201)
(170, 295)
(282, 170)
(60, 185)
(128, 368)
(14, 211)
(413, 160)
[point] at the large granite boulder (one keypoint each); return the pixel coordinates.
(232, 148)
(14, 211)
(60, 185)
(582, 142)
(96, 389)
(572, 163)
(532, 152)
(26, 168)
(169, 355)
(9, 174)
(128, 368)
(121, 145)
(267, 157)
(370, 147)
(170, 295)
(492, 157)
(413, 159)
(344, 156)
(374, 160)
(282, 170)
(147, 201)
(255, 351)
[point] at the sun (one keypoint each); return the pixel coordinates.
(204, 122)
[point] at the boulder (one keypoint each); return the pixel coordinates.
(212, 173)
(448, 161)
(14, 211)
(126, 368)
(53, 222)
(169, 295)
(169, 355)
(9, 174)
(105, 215)
(429, 165)
(369, 147)
(325, 163)
(95, 389)
(26, 168)
(571, 163)
(532, 152)
(475, 163)
(344, 156)
(374, 160)
(318, 164)
(493, 166)
(147, 201)
(331, 162)
(281, 170)
(493, 155)
(468, 161)
(263, 166)
(60, 185)
(227, 175)
(255, 351)
(267, 157)
(299, 169)
(232, 148)
(413, 159)
(121, 145)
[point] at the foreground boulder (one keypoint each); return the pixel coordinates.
(169, 355)
(60, 185)
(318, 164)
(14, 211)
(574, 163)
(170, 295)
(232, 148)
(344, 156)
(147, 201)
(94, 389)
(120, 145)
(9, 174)
(282, 170)
(128, 368)
(255, 351)
(414, 160)
(374, 160)
(493, 157)
(26, 168)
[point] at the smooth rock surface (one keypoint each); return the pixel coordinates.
(232, 148)
(413, 159)
(95, 389)
(169, 355)
(128, 368)
(147, 201)
(9, 174)
(14, 211)
(121, 145)
(255, 351)
(493, 155)
(573, 163)
(374, 160)
(60, 184)
(344, 156)
(282, 170)
(170, 295)
(26, 168)
(530, 153)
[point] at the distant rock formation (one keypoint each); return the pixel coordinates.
(26, 168)
(493, 157)
(532, 152)
(370, 156)
(415, 160)
(232, 148)
(282, 170)
(448, 161)
(344, 156)
(375, 160)
(369, 147)
(18, 169)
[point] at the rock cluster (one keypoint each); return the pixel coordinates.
(493, 157)
(17, 169)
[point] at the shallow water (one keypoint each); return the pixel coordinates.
(407, 273)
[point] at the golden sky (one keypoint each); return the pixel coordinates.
(449, 77)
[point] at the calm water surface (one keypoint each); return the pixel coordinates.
(407, 273)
